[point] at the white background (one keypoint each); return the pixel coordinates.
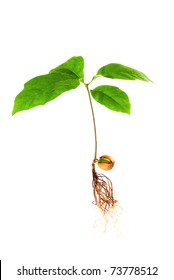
(46, 211)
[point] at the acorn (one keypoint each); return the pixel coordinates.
(106, 162)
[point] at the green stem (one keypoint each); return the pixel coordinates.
(94, 123)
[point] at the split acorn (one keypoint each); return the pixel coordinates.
(106, 162)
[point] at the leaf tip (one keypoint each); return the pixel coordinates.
(13, 112)
(148, 80)
(128, 111)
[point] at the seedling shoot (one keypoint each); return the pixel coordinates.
(67, 76)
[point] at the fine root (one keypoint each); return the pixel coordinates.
(103, 191)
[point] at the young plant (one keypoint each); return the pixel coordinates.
(68, 76)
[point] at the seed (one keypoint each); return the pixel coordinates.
(106, 162)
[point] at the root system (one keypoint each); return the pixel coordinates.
(103, 191)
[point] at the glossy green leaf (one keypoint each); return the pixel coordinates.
(74, 64)
(112, 97)
(45, 88)
(119, 71)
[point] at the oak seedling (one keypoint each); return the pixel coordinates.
(67, 76)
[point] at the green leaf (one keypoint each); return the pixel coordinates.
(45, 88)
(74, 64)
(112, 97)
(118, 71)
